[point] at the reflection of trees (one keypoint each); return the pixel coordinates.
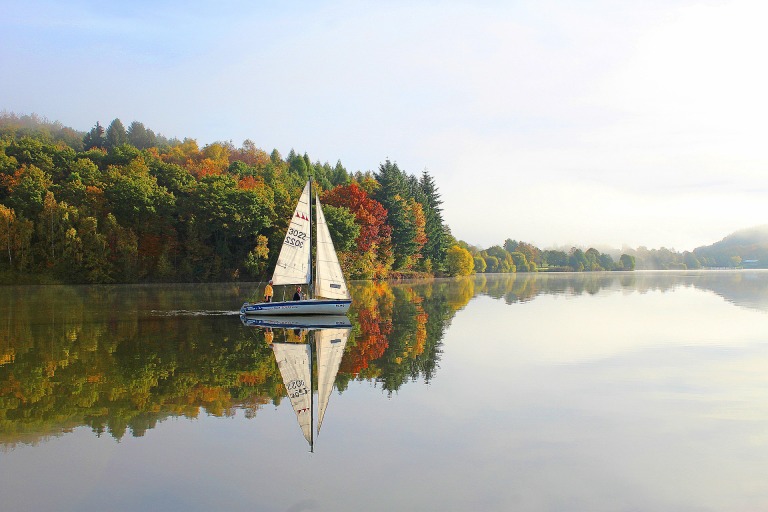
(372, 316)
(101, 357)
(98, 357)
(747, 289)
(405, 322)
(133, 375)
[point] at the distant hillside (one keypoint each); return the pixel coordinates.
(747, 248)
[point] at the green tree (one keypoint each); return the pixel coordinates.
(256, 261)
(139, 136)
(505, 264)
(480, 264)
(521, 262)
(135, 196)
(691, 261)
(116, 134)
(437, 243)
(627, 262)
(555, 258)
(606, 261)
(342, 226)
(27, 190)
(577, 261)
(94, 138)
(230, 217)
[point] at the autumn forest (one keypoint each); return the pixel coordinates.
(126, 205)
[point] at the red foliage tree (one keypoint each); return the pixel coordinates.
(369, 213)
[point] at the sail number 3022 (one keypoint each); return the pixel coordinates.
(295, 238)
(296, 388)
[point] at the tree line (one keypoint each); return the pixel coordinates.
(127, 205)
(119, 204)
(514, 256)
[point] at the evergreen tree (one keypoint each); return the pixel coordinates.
(94, 138)
(393, 195)
(391, 184)
(141, 137)
(437, 243)
(116, 134)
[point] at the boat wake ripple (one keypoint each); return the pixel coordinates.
(188, 312)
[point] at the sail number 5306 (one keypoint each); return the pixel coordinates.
(295, 238)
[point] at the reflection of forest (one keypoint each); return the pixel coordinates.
(120, 359)
(744, 288)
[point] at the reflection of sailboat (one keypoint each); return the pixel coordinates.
(294, 360)
(303, 322)
(294, 266)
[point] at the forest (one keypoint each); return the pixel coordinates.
(123, 205)
(127, 205)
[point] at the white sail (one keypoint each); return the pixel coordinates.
(330, 349)
(329, 280)
(293, 360)
(293, 263)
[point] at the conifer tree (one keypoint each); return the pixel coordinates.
(116, 134)
(94, 138)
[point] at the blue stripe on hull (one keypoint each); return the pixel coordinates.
(298, 307)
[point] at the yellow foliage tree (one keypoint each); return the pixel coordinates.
(459, 261)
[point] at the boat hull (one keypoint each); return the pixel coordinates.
(297, 307)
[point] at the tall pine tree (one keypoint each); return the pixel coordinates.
(437, 242)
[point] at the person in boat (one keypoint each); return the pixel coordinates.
(297, 295)
(268, 292)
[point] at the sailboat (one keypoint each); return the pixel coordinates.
(294, 360)
(294, 267)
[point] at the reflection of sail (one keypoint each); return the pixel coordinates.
(294, 360)
(330, 348)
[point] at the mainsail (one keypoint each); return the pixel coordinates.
(293, 263)
(329, 280)
(293, 360)
(330, 349)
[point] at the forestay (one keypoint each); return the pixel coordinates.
(293, 263)
(329, 280)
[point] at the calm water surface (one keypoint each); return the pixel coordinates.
(642, 391)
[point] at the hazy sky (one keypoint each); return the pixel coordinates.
(555, 122)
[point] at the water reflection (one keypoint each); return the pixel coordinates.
(297, 340)
(121, 359)
(747, 289)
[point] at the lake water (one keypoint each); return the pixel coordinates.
(643, 391)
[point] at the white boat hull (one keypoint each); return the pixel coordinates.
(297, 307)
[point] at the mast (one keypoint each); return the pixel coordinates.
(311, 395)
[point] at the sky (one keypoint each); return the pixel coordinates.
(559, 123)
